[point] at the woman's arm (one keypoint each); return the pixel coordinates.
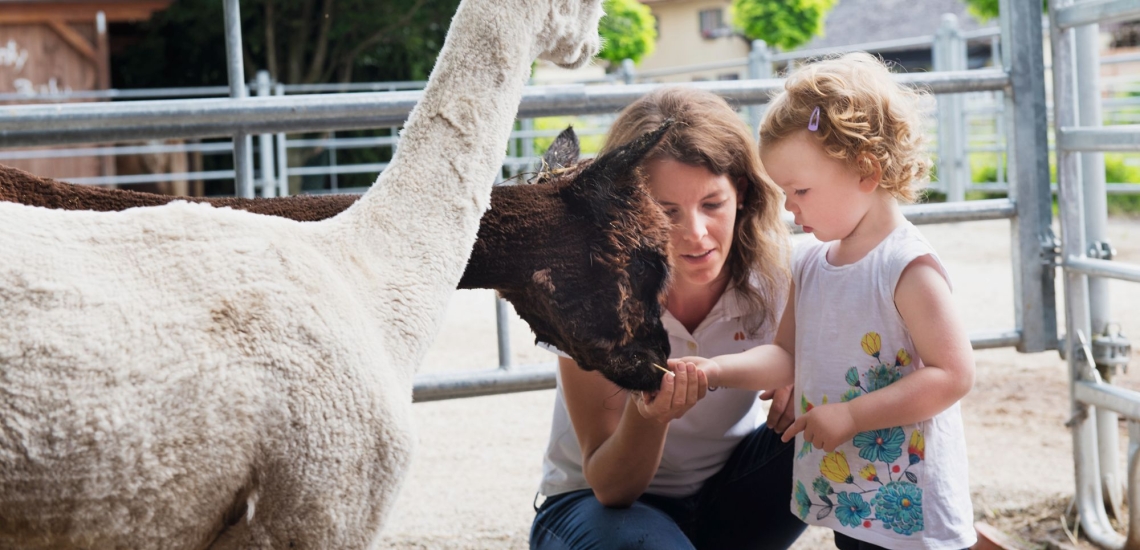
(923, 300)
(622, 436)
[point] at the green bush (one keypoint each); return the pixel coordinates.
(1116, 170)
(785, 24)
(628, 32)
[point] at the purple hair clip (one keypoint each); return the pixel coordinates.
(813, 122)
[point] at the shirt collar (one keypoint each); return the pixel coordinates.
(728, 307)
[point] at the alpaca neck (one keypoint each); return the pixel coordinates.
(452, 146)
(419, 220)
(527, 230)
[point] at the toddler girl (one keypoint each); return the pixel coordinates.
(869, 336)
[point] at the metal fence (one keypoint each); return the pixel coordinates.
(1094, 352)
(242, 117)
(969, 125)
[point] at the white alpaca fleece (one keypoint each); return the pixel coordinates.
(189, 377)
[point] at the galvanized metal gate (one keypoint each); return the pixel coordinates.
(1094, 351)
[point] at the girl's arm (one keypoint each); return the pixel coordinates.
(764, 367)
(924, 302)
(621, 433)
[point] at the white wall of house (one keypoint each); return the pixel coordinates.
(680, 41)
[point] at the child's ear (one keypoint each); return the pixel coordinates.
(871, 173)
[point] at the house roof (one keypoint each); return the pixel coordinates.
(860, 21)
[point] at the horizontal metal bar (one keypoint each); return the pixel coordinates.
(1119, 138)
(912, 42)
(211, 147)
(984, 32)
(434, 387)
(366, 168)
(995, 339)
(31, 125)
(1110, 188)
(1103, 268)
(115, 93)
(966, 211)
(355, 87)
(1096, 11)
(1108, 397)
(343, 143)
(1120, 58)
(945, 212)
(686, 69)
(129, 179)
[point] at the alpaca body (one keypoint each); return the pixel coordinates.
(186, 376)
(165, 398)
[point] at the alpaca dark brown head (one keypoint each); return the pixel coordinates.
(589, 250)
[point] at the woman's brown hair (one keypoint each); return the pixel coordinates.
(710, 134)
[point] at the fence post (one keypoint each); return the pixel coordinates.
(759, 67)
(265, 144)
(1087, 58)
(1035, 302)
(243, 142)
(282, 159)
(953, 168)
(1000, 160)
(627, 70)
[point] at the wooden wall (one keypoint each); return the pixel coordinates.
(45, 60)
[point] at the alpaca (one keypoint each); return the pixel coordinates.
(528, 234)
(187, 376)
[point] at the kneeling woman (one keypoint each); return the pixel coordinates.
(688, 466)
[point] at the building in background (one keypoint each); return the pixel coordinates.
(49, 48)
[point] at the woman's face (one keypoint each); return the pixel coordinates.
(702, 207)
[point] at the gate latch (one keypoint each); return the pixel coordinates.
(1111, 351)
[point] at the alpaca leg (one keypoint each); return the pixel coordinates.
(333, 495)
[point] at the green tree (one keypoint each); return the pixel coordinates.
(628, 31)
(786, 24)
(298, 41)
(985, 10)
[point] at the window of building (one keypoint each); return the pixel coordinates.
(712, 24)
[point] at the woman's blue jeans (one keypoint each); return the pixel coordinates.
(747, 504)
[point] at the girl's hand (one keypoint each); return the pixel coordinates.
(825, 426)
(680, 390)
(706, 366)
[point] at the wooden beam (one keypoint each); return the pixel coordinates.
(76, 40)
(31, 12)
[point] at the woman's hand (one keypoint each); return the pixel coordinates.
(781, 413)
(679, 391)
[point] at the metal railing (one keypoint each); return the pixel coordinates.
(959, 116)
(1094, 354)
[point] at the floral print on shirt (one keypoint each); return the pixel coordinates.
(881, 488)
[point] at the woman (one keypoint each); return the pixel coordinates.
(688, 466)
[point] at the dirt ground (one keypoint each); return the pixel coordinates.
(475, 471)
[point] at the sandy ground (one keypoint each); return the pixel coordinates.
(473, 477)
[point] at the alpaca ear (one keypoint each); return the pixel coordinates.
(563, 151)
(617, 166)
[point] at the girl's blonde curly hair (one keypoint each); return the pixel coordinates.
(863, 114)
